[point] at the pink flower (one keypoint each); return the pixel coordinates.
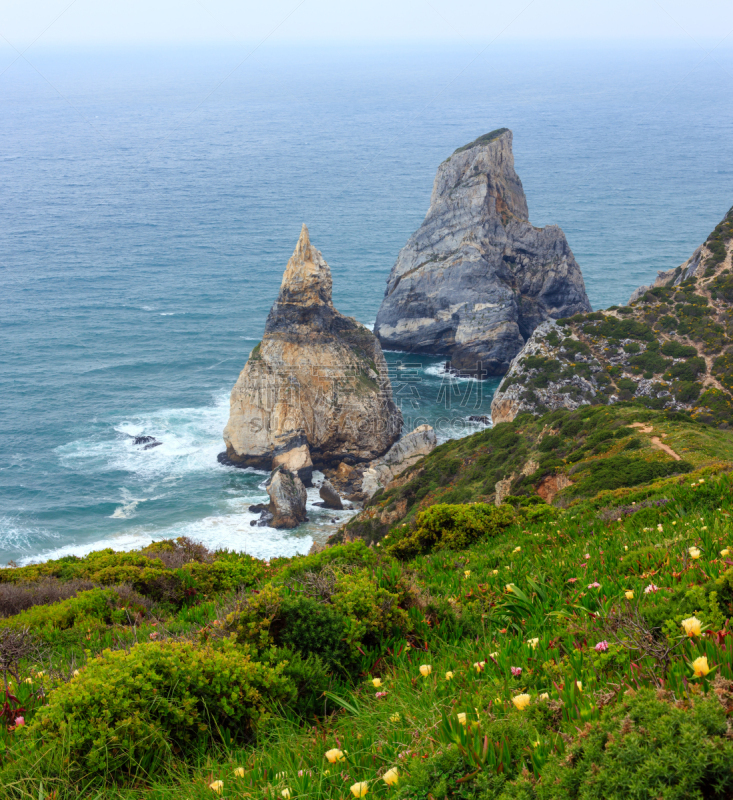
(380, 695)
(516, 671)
(594, 585)
(572, 580)
(601, 647)
(587, 556)
(19, 722)
(651, 588)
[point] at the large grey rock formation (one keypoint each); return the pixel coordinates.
(477, 278)
(315, 390)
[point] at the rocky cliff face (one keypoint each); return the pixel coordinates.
(315, 390)
(670, 348)
(476, 279)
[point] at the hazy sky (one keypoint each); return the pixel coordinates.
(94, 22)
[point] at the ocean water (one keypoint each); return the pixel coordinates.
(150, 201)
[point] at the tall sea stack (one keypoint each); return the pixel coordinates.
(315, 391)
(476, 279)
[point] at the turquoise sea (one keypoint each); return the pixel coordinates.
(150, 200)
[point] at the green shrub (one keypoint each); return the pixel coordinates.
(452, 527)
(617, 471)
(644, 747)
(127, 712)
(676, 349)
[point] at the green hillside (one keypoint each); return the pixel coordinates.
(577, 649)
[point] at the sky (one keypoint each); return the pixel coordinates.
(89, 23)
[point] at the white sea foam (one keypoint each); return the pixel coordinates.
(439, 371)
(190, 442)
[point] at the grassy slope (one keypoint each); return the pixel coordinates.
(461, 614)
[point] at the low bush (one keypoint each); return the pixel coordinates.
(618, 471)
(129, 712)
(452, 527)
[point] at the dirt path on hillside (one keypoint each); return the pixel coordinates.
(655, 440)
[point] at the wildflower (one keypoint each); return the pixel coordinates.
(239, 772)
(694, 553)
(462, 717)
(572, 580)
(76, 673)
(651, 589)
(702, 480)
(536, 744)
(601, 647)
(380, 695)
(521, 701)
(360, 789)
(376, 682)
(660, 527)
(449, 676)
(629, 594)
(587, 556)
(467, 573)
(40, 674)
(579, 684)
(285, 794)
(517, 550)
(335, 755)
(29, 680)
(626, 547)
(479, 666)
(692, 626)
(19, 722)
(725, 552)
(395, 717)
(544, 696)
(516, 671)
(217, 786)
(509, 586)
(700, 666)
(533, 642)
(594, 585)
(391, 776)
(425, 670)
(495, 572)
(493, 655)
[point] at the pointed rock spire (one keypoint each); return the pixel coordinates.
(307, 279)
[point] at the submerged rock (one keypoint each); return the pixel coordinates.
(315, 391)
(476, 279)
(287, 499)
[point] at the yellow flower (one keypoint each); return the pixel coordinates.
(544, 696)
(360, 789)
(239, 772)
(517, 550)
(694, 553)
(521, 701)
(628, 594)
(285, 794)
(217, 786)
(449, 676)
(509, 587)
(479, 666)
(533, 643)
(467, 573)
(391, 776)
(700, 666)
(462, 717)
(493, 655)
(725, 552)
(40, 674)
(660, 527)
(376, 682)
(626, 547)
(692, 626)
(579, 684)
(495, 572)
(395, 717)
(76, 673)
(425, 670)
(29, 680)
(333, 756)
